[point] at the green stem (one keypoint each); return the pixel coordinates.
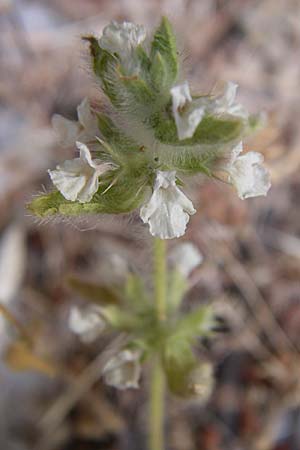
(160, 277)
(157, 389)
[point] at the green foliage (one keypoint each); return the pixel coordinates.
(97, 293)
(126, 193)
(105, 68)
(198, 322)
(178, 359)
(159, 73)
(118, 141)
(143, 92)
(164, 49)
(177, 286)
(179, 362)
(211, 130)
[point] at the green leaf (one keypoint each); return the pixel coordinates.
(119, 318)
(211, 130)
(198, 322)
(144, 60)
(95, 292)
(177, 286)
(117, 139)
(104, 66)
(159, 73)
(140, 93)
(164, 43)
(135, 293)
(124, 196)
(178, 363)
(193, 161)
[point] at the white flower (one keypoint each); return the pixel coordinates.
(247, 174)
(202, 380)
(69, 131)
(168, 209)
(224, 102)
(77, 179)
(123, 371)
(87, 322)
(186, 257)
(123, 38)
(187, 114)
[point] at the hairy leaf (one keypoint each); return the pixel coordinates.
(164, 43)
(211, 130)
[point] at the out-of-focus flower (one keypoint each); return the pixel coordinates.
(123, 371)
(115, 268)
(12, 262)
(186, 257)
(202, 381)
(69, 131)
(247, 174)
(167, 212)
(86, 322)
(78, 178)
(187, 114)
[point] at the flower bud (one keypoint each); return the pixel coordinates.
(123, 370)
(87, 322)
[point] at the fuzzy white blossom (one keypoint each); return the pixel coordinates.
(123, 371)
(224, 102)
(167, 212)
(69, 131)
(247, 174)
(186, 112)
(185, 257)
(86, 322)
(78, 178)
(123, 38)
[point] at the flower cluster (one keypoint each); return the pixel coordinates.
(131, 313)
(170, 134)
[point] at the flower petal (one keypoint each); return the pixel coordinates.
(66, 130)
(67, 179)
(235, 153)
(186, 257)
(121, 37)
(77, 179)
(85, 154)
(85, 116)
(249, 177)
(87, 323)
(186, 114)
(123, 371)
(167, 211)
(224, 102)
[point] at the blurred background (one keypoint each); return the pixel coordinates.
(251, 249)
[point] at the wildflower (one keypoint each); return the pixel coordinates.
(123, 370)
(69, 131)
(186, 257)
(123, 39)
(87, 322)
(167, 211)
(247, 174)
(78, 178)
(187, 114)
(224, 102)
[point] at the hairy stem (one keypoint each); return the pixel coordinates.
(157, 389)
(160, 277)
